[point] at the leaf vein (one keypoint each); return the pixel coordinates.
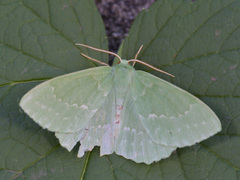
(197, 28)
(219, 157)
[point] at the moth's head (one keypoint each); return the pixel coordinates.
(123, 73)
(124, 64)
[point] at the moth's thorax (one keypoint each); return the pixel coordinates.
(123, 74)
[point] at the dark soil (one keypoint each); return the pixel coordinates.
(118, 16)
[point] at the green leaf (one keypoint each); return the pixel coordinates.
(197, 41)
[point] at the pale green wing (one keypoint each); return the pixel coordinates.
(65, 104)
(170, 115)
(99, 131)
(69, 140)
(133, 141)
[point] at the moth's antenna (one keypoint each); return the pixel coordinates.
(146, 64)
(100, 50)
(100, 62)
(139, 50)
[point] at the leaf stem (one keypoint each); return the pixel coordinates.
(85, 166)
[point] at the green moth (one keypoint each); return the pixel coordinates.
(130, 112)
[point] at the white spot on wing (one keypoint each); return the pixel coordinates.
(60, 100)
(84, 106)
(151, 116)
(127, 128)
(75, 105)
(162, 116)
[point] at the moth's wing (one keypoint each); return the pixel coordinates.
(133, 141)
(170, 115)
(69, 140)
(99, 131)
(65, 104)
